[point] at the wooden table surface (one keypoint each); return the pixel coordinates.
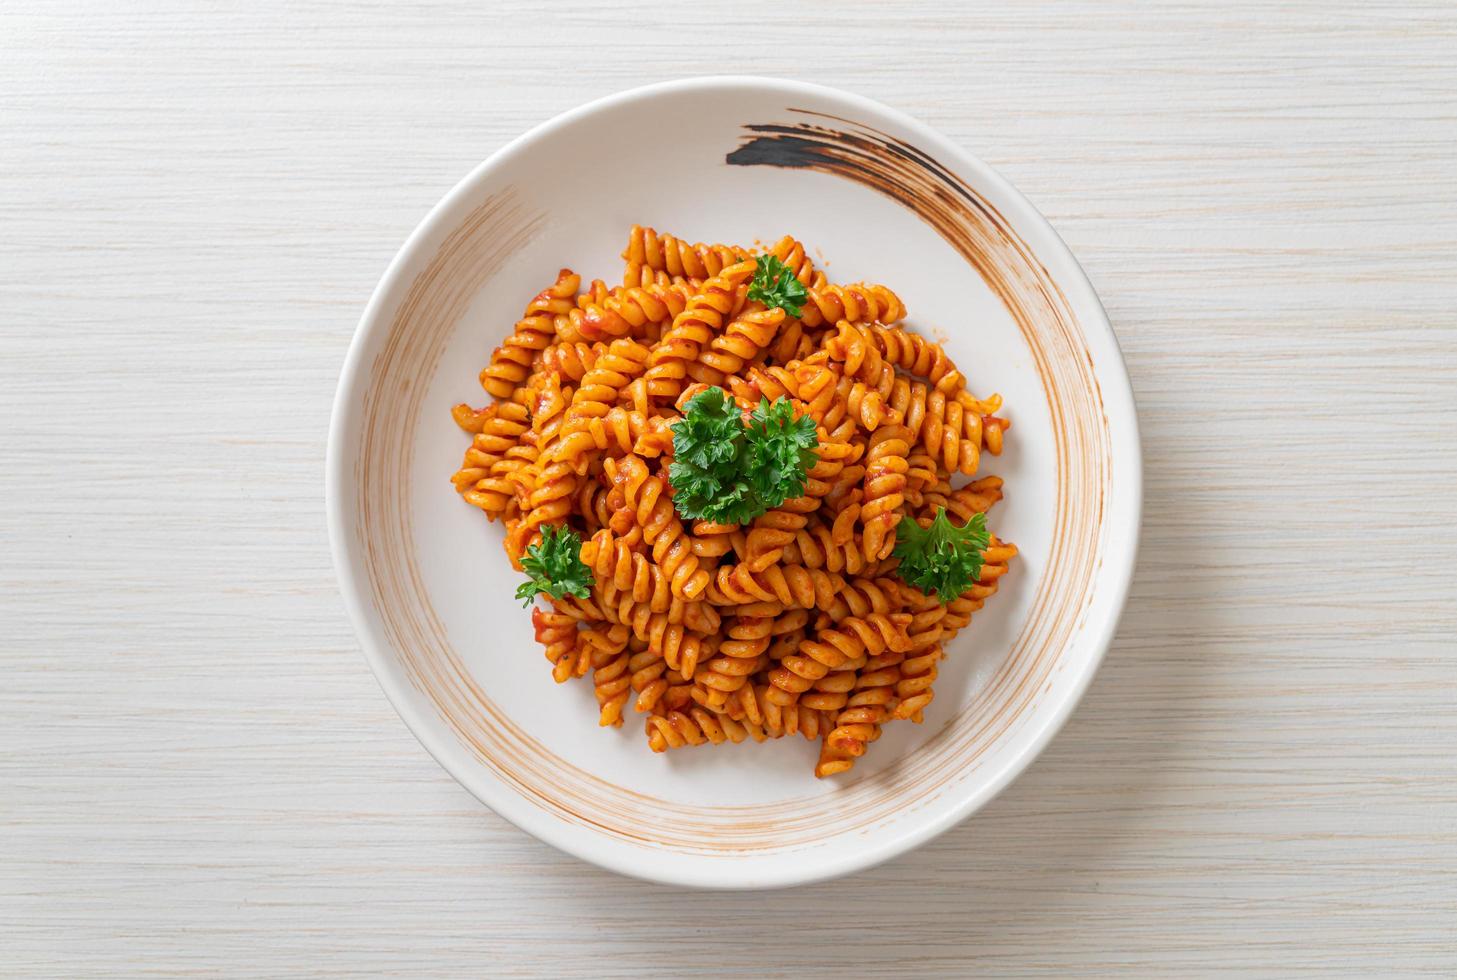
(198, 772)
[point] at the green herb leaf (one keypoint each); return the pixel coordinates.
(728, 472)
(708, 434)
(554, 566)
(774, 285)
(781, 448)
(700, 495)
(942, 558)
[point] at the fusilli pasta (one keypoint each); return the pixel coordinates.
(794, 621)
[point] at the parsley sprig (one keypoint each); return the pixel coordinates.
(942, 558)
(774, 285)
(730, 472)
(554, 566)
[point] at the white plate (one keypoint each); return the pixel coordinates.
(878, 197)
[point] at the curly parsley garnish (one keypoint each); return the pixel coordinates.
(554, 566)
(774, 285)
(729, 472)
(942, 558)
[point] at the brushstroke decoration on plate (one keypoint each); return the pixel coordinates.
(876, 197)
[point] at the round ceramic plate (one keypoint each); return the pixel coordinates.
(876, 197)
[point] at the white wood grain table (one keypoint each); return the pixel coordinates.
(198, 772)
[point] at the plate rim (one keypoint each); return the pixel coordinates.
(1116, 390)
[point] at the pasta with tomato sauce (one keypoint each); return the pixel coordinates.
(747, 496)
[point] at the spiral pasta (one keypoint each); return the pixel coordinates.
(647, 250)
(615, 559)
(608, 656)
(858, 303)
(512, 361)
(694, 328)
(741, 342)
(796, 621)
(885, 482)
(792, 586)
(740, 655)
(872, 703)
(638, 311)
(646, 496)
